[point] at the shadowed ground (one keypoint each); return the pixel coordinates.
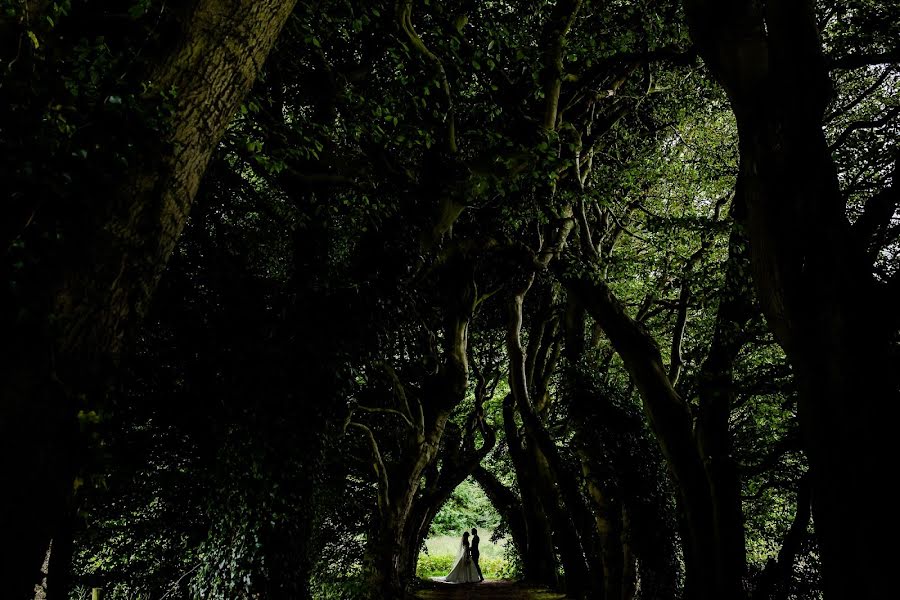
(488, 590)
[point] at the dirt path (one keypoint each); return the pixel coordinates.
(491, 589)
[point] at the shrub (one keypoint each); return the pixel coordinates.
(434, 566)
(439, 566)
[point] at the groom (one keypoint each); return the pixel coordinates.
(476, 553)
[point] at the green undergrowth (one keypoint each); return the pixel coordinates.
(439, 566)
(440, 552)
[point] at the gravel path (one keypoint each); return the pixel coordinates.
(491, 589)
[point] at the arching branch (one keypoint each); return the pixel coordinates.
(388, 411)
(404, 13)
(379, 467)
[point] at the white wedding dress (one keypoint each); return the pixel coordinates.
(464, 570)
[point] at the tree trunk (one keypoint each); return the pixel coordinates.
(671, 423)
(104, 275)
(608, 521)
(383, 558)
(542, 455)
(631, 508)
(386, 553)
(458, 464)
(566, 537)
(701, 461)
(813, 277)
(716, 398)
(399, 484)
(416, 532)
(538, 558)
(571, 516)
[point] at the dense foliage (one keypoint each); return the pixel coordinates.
(468, 507)
(451, 265)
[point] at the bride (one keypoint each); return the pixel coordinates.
(464, 570)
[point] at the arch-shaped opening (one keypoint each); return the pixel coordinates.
(469, 506)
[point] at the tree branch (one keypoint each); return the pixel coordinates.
(404, 13)
(561, 19)
(676, 362)
(871, 229)
(378, 465)
(400, 390)
(584, 232)
(855, 102)
(869, 124)
(388, 411)
(506, 503)
(855, 61)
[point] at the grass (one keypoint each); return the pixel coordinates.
(449, 544)
(441, 552)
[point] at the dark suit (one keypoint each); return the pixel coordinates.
(475, 554)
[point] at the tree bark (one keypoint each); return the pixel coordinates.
(566, 537)
(458, 464)
(701, 461)
(538, 558)
(399, 482)
(571, 517)
(559, 494)
(627, 486)
(608, 521)
(385, 553)
(100, 282)
(813, 277)
(671, 423)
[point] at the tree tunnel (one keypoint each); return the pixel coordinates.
(282, 279)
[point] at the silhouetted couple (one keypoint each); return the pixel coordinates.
(466, 568)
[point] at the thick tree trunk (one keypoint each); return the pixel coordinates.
(566, 537)
(671, 423)
(107, 270)
(631, 510)
(538, 558)
(386, 551)
(399, 483)
(416, 532)
(608, 521)
(386, 556)
(813, 276)
(701, 461)
(383, 558)
(571, 517)
(559, 494)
